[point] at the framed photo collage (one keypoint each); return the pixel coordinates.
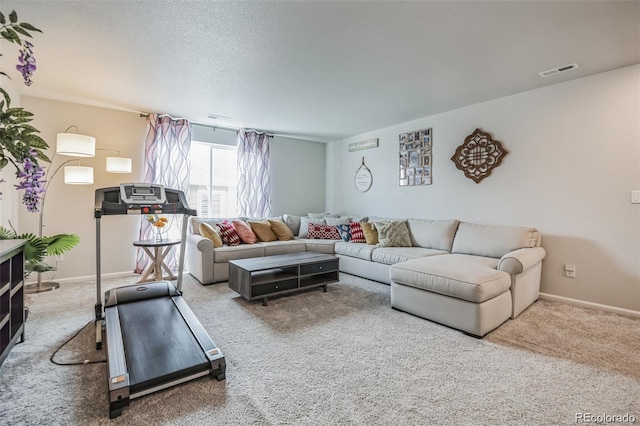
(415, 157)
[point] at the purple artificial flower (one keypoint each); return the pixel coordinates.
(32, 181)
(27, 64)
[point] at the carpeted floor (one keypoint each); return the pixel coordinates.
(338, 358)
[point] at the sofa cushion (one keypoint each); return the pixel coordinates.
(244, 231)
(284, 247)
(244, 251)
(281, 230)
(323, 232)
(493, 241)
(370, 234)
(340, 220)
(213, 221)
(293, 222)
(345, 232)
(391, 255)
(451, 276)
(357, 236)
(320, 246)
(358, 250)
(304, 225)
(393, 233)
(228, 233)
(210, 232)
(435, 234)
(263, 230)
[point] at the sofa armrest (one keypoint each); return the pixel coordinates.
(517, 261)
(200, 243)
(200, 256)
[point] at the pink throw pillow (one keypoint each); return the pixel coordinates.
(228, 233)
(323, 232)
(244, 231)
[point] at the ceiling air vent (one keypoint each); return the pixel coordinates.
(558, 70)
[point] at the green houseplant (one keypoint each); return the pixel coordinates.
(20, 143)
(36, 248)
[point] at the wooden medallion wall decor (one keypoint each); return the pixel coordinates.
(478, 155)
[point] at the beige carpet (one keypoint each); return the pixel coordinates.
(586, 336)
(338, 358)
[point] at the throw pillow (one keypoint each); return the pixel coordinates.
(244, 231)
(228, 233)
(370, 234)
(393, 233)
(323, 232)
(209, 232)
(263, 230)
(345, 232)
(341, 220)
(357, 236)
(304, 225)
(293, 222)
(281, 230)
(317, 215)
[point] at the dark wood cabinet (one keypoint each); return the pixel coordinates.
(11, 295)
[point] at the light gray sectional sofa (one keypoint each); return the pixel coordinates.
(467, 276)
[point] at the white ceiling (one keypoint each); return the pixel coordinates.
(315, 70)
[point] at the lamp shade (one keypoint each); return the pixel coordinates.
(75, 145)
(78, 175)
(118, 165)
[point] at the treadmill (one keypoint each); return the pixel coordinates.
(153, 340)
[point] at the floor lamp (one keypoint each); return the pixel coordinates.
(73, 145)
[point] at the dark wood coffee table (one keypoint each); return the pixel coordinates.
(262, 277)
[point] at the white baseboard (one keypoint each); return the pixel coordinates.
(591, 305)
(85, 278)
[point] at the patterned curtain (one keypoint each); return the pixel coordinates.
(167, 163)
(254, 188)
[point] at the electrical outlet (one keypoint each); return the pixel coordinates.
(635, 197)
(570, 270)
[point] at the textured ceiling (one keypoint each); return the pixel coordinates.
(315, 70)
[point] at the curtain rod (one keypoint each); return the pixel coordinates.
(201, 123)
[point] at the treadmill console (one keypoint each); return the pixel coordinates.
(141, 195)
(140, 198)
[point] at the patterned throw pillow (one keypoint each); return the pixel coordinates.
(393, 233)
(370, 234)
(304, 225)
(244, 231)
(282, 231)
(228, 233)
(345, 232)
(263, 230)
(323, 232)
(357, 236)
(210, 232)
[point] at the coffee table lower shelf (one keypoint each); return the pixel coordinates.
(263, 277)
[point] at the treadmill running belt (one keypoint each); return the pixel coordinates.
(158, 344)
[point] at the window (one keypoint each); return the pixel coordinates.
(214, 183)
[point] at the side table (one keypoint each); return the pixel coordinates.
(157, 258)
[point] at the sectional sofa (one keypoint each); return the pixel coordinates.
(467, 276)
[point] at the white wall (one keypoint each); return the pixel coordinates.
(297, 176)
(574, 157)
(69, 208)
